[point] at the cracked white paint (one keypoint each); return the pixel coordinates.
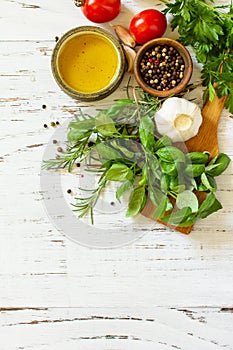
(166, 291)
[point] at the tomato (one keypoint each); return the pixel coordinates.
(100, 11)
(147, 25)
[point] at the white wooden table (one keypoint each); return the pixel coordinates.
(164, 291)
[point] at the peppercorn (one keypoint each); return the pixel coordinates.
(162, 67)
(57, 123)
(52, 124)
(45, 125)
(91, 143)
(69, 191)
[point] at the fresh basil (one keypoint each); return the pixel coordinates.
(171, 154)
(208, 206)
(105, 125)
(187, 199)
(123, 189)
(119, 172)
(136, 201)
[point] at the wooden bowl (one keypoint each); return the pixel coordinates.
(187, 73)
(82, 65)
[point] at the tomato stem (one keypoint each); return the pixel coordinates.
(79, 3)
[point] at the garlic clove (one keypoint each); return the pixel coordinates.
(130, 55)
(179, 119)
(124, 35)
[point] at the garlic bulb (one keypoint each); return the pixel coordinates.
(179, 119)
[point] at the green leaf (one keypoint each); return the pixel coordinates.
(161, 209)
(169, 168)
(107, 152)
(146, 132)
(187, 199)
(124, 188)
(176, 218)
(195, 170)
(136, 202)
(221, 161)
(209, 182)
(208, 206)
(105, 125)
(197, 157)
(82, 125)
(212, 92)
(80, 129)
(163, 142)
(155, 195)
(171, 154)
(119, 172)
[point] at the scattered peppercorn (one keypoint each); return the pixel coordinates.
(44, 106)
(45, 125)
(78, 165)
(59, 149)
(112, 203)
(56, 38)
(57, 123)
(52, 124)
(90, 144)
(162, 67)
(54, 142)
(69, 191)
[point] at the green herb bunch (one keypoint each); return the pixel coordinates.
(209, 31)
(129, 150)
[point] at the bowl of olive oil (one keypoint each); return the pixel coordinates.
(88, 63)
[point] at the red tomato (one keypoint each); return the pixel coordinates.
(147, 25)
(100, 11)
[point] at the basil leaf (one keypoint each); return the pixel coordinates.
(189, 221)
(124, 188)
(80, 129)
(105, 125)
(209, 182)
(155, 195)
(161, 209)
(120, 144)
(82, 125)
(75, 135)
(221, 161)
(176, 218)
(194, 170)
(136, 202)
(107, 152)
(187, 199)
(119, 172)
(117, 108)
(163, 142)
(146, 132)
(208, 206)
(171, 154)
(197, 157)
(164, 182)
(169, 168)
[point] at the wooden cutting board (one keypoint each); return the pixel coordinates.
(205, 140)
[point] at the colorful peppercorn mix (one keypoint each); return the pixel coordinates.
(162, 67)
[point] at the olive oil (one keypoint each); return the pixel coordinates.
(88, 62)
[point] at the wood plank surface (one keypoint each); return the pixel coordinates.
(164, 291)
